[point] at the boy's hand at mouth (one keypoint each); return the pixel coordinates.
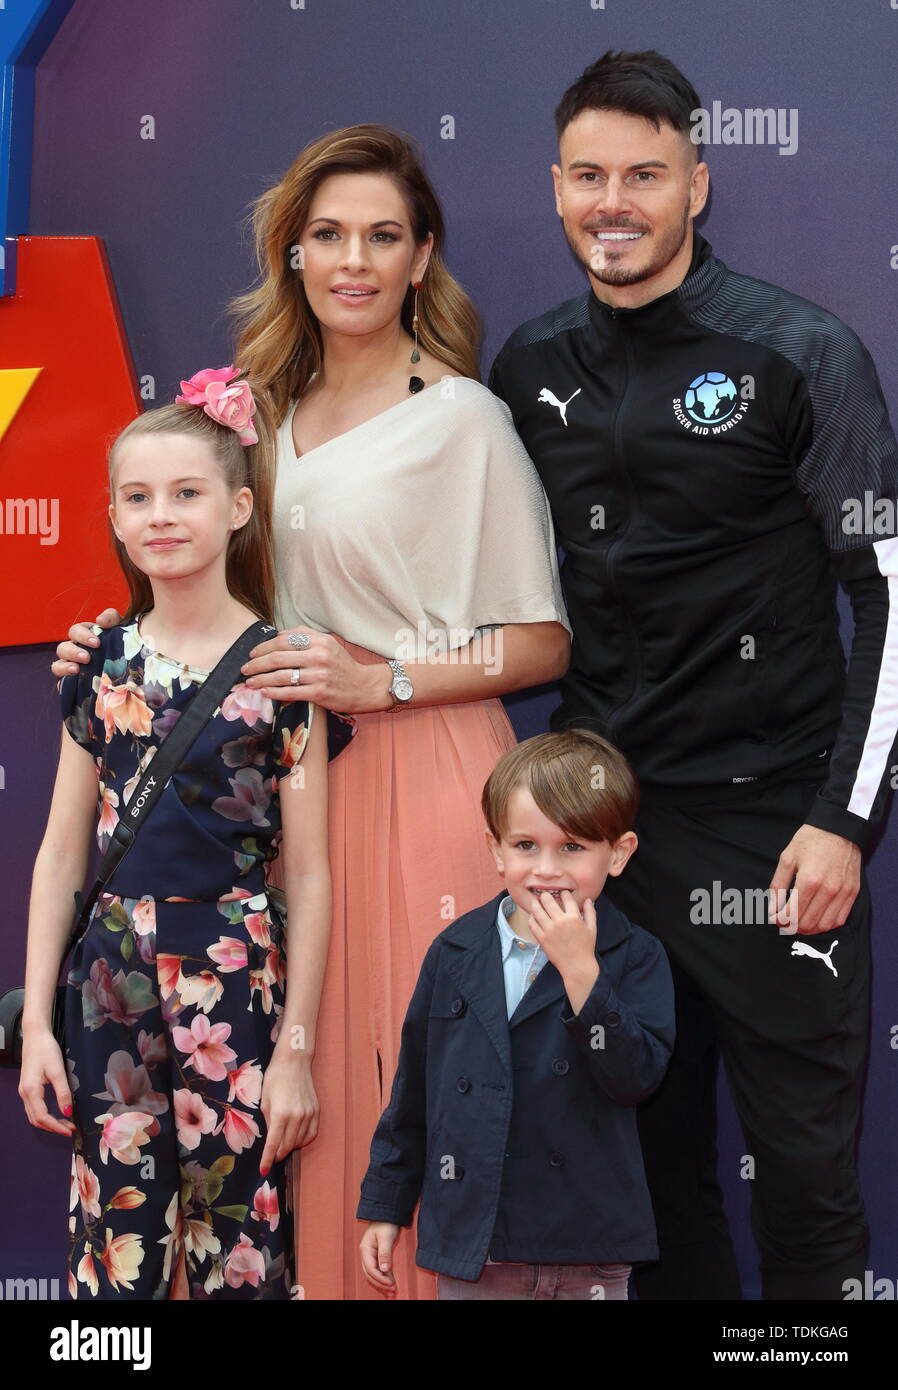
(569, 941)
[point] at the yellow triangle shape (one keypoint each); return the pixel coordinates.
(15, 383)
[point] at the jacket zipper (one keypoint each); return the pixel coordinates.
(618, 452)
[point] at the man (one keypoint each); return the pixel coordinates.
(712, 447)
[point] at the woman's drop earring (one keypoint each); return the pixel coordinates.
(414, 382)
(416, 356)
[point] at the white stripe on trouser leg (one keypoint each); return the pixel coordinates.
(884, 714)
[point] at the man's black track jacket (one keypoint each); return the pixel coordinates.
(715, 460)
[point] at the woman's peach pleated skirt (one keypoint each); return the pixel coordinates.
(408, 855)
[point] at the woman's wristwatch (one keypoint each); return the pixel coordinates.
(401, 689)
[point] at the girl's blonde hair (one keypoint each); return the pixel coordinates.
(249, 572)
(279, 342)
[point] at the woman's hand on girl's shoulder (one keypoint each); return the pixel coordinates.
(71, 654)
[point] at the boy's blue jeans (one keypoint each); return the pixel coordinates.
(504, 1281)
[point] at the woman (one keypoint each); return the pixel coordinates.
(417, 582)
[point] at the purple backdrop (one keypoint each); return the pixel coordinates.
(235, 90)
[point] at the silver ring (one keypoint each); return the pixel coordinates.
(299, 639)
(295, 676)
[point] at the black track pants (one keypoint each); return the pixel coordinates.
(790, 1017)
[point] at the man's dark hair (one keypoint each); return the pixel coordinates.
(640, 84)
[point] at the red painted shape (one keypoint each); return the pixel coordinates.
(64, 317)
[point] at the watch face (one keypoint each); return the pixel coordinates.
(402, 689)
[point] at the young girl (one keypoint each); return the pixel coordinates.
(189, 1028)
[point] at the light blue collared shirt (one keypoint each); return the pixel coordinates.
(521, 960)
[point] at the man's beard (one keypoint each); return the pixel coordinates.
(619, 274)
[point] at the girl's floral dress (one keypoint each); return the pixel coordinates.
(177, 987)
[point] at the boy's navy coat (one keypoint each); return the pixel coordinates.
(519, 1135)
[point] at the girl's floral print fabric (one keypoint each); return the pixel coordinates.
(176, 990)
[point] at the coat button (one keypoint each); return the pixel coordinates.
(463, 1084)
(612, 1019)
(457, 1006)
(561, 1066)
(556, 1159)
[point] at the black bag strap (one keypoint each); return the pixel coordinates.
(162, 765)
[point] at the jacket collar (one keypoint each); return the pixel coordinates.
(476, 967)
(703, 279)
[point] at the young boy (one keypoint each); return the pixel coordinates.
(537, 1024)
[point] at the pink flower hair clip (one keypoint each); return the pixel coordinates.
(228, 401)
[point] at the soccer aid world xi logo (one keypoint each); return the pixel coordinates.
(712, 403)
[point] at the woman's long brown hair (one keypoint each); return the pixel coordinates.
(279, 341)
